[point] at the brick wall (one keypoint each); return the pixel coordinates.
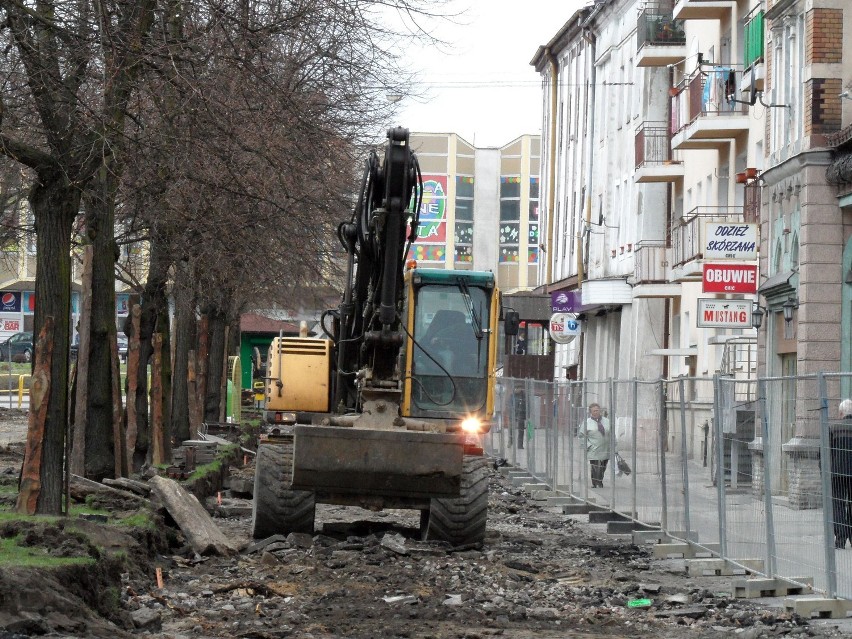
(822, 106)
(805, 482)
(824, 35)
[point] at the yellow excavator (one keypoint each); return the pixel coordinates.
(387, 409)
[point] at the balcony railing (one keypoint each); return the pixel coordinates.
(657, 27)
(688, 231)
(650, 262)
(753, 36)
(653, 144)
(706, 94)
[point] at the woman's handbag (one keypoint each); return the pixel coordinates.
(622, 465)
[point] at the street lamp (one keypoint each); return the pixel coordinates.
(757, 313)
(788, 307)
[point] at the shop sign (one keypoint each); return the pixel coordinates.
(730, 241)
(729, 278)
(719, 313)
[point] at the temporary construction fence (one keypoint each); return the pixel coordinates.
(736, 466)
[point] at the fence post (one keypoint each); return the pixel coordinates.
(661, 445)
(633, 434)
(613, 442)
(827, 497)
(720, 466)
(684, 456)
(767, 480)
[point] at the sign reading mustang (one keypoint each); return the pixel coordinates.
(716, 313)
(730, 278)
(730, 241)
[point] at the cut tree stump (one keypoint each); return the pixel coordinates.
(203, 535)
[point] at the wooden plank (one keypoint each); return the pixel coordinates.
(198, 527)
(39, 391)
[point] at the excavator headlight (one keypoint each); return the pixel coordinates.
(471, 425)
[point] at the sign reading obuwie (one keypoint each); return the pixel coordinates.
(730, 241)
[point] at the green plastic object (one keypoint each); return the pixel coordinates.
(639, 603)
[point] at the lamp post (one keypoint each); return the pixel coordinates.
(788, 307)
(757, 313)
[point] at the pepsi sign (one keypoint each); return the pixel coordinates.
(10, 302)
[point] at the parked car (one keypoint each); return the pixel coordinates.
(19, 346)
(122, 348)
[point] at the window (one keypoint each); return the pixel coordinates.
(464, 220)
(510, 218)
(532, 223)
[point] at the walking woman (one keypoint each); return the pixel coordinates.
(597, 436)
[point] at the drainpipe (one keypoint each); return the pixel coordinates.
(551, 169)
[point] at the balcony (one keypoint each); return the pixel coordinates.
(661, 40)
(651, 262)
(688, 238)
(703, 115)
(702, 9)
(754, 75)
(654, 156)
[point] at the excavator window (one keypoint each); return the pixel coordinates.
(451, 349)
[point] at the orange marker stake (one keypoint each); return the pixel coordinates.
(219, 498)
(159, 572)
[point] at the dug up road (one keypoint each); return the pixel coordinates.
(539, 575)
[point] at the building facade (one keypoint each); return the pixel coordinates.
(480, 207)
(697, 163)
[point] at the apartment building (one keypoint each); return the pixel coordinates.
(480, 207)
(697, 163)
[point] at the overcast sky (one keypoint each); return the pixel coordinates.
(485, 89)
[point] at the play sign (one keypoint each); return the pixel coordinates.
(729, 278)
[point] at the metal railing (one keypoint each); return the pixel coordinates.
(657, 27)
(748, 469)
(651, 262)
(688, 231)
(653, 145)
(19, 390)
(706, 94)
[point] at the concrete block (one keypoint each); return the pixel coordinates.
(605, 516)
(532, 486)
(580, 509)
(520, 480)
(821, 607)
(542, 495)
(722, 567)
(685, 549)
(768, 587)
(656, 536)
(561, 500)
(625, 527)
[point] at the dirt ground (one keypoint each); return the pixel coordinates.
(539, 575)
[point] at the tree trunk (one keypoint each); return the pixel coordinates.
(202, 367)
(184, 339)
(81, 403)
(54, 204)
(100, 227)
(216, 355)
(154, 318)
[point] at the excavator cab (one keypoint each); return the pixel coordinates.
(451, 343)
